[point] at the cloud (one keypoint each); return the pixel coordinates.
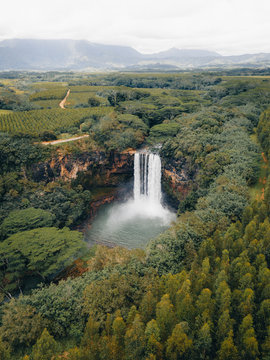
(228, 26)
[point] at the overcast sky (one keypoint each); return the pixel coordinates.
(226, 26)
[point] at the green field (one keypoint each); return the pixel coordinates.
(36, 122)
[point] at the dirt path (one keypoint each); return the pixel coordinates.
(62, 103)
(63, 140)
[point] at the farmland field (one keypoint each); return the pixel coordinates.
(35, 122)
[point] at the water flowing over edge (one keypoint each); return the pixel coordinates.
(136, 221)
(147, 192)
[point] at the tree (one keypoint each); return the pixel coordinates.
(264, 316)
(247, 304)
(4, 351)
(93, 101)
(75, 354)
(224, 326)
(148, 306)
(202, 279)
(248, 341)
(115, 292)
(135, 340)
(108, 348)
(178, 344)
(223, 297)
(153, 345)
(18, 152)
(185, 310)
(118, 132)
(266, 346)
(42, 251)
(172, 283)
(119, 329)
(22, 220)
(21, 324)
(263, 130)
(90, 341)
(203, 343)
(131, 315)
(165, 317)
(204, 307)
(45, 347)
(228, 351)
(115, 97)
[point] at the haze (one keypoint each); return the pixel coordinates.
(230, 27)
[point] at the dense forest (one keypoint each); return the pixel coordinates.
(201, 289)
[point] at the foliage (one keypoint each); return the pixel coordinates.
(41, 251)
(118, 291)
(68, 204)
(21, 324)
(17, 152)
(93, 101)
(21, 220)
(45, 348)
(164, 129)
(63, 313)
(4, 351)
(263, 130)
(58, 94)
(120, 132)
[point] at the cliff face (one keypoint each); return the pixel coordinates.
(103, 173)
(176, 182)
(93, 168)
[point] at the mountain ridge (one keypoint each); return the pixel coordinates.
(68, 54)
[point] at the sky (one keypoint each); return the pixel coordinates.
(230, 27)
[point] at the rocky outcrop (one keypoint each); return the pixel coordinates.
(94, 168)
(176, 182)
(99, 170)
(107, 176)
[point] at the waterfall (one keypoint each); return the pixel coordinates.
(141, 218)
(147, 178)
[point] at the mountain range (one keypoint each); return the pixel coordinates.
(33, 54)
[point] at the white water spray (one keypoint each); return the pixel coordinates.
(146, 191)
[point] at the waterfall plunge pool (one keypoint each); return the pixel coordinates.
(133, 223)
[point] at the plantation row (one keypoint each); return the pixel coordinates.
(57, 94)
(36, 122)
(47, 104)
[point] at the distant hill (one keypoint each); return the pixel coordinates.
(185, 53)
(63, 54)
(29, 54)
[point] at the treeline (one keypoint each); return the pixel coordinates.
(176, 81)
(9, 100)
